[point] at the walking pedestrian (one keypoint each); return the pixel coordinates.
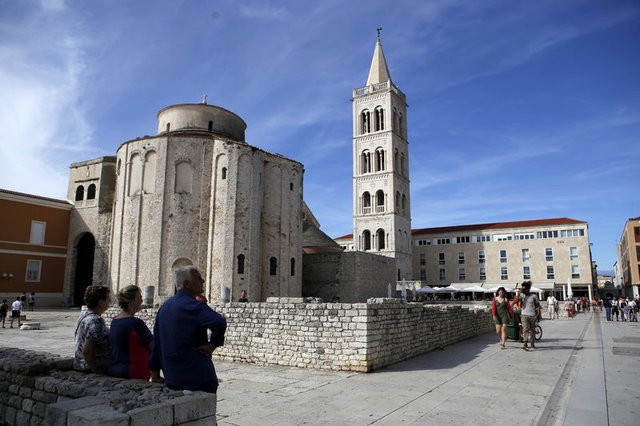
(551, 305)
(16, 311)
(502, 314)
(531, 313)
(4, 308)
(607, 306)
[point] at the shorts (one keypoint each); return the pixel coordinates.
(502, 319)
(15, 314)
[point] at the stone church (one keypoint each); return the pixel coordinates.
(197, 193)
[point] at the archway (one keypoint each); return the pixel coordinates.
(84, 267)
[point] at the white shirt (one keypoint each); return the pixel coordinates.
(551, 300)
(16, 306)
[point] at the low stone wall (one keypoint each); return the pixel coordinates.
(340, 336)
(37, 388)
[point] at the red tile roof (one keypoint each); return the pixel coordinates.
(496, 225)
(6, 191)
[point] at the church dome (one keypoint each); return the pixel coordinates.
(201, 117)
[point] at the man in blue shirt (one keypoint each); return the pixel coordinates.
(181, 348)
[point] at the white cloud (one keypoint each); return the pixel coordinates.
(41, 114)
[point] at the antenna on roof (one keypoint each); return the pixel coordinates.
(204, 99)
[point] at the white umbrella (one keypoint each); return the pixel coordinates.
(404, 289)
(569, 289)
(389, 291)
(425, 289)
(448, 289)
(473, 289)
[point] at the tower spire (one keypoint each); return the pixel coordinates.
(379, 72)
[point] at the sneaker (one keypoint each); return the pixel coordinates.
(525, 347)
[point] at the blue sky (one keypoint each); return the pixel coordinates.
(517, 109)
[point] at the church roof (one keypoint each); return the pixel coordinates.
(316, 241)
(379, 72)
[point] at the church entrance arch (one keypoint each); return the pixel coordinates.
(83, 276)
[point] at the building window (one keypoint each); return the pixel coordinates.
(504, 273)
(481, 256)
(423, 259)
(379, 119)
(460, 258)
(505, 237)
(483, 274)
(79, 193)
(91, 192)
(380, 163)
(379, 201)
(526, 273)
(366, 239)
(503, 256)
(380, 237)
(548, 254)
(443, 241)
(461, 240)
(550, 273)
(547, 234)
(423, 274)
(525, 255)
(273, 266)
(366, 162)
(440, 258)
(241, 264)
(223, 173)
(573, 253)
(442, 275)
(210, 125)
(483, 238)
(293, 267)
(37, 232)
(365, 122)
(575, 271)
(462, 274)
(366, 203)
(33, 271)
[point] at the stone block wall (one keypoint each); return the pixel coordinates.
(339, 336)
(37, 388)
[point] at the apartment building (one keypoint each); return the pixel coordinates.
(552, 253)
(33, 246)
(628, 262)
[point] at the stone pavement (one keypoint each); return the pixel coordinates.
(584, 372)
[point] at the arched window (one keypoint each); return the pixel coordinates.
(273, 266)
(80, 193)
(379, 119)
(402, 164)
(397, 206)
(168, 126)
(223, 173)
(365, 122)
(149, 178)
(184, 178)
(380, 238)
(366, 203)
(366, 162)
(293, 267)
(396, 161)
(135, 175)
(400, 125)
(210, 125)
(379, 201)
(241, 264)
(395, 120)
(366, 239)
(91, 192)
(404, 203)
(380, 166)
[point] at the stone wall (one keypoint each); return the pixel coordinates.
(340, 336)
(350, 276)
(37, 388)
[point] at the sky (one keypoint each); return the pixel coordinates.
(518, 110)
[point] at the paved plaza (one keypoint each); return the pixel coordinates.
(584, 372)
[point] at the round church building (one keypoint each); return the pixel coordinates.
(197, 194)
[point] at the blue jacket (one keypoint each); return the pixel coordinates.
(181, 325)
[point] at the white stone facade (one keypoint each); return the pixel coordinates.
(381, 193)
(198, 194)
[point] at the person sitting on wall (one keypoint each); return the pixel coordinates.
(92, 352)
(181, 348)
(130, 338)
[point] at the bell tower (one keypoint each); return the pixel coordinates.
(381, 196)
